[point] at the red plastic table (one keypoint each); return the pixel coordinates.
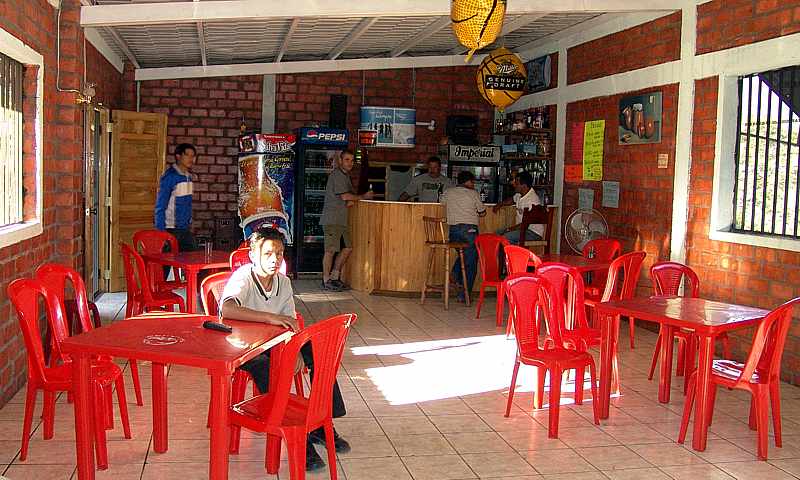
(582, 264)
(169, 338)
(191, 263)
(706, 318)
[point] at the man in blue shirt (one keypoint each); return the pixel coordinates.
(174, 201)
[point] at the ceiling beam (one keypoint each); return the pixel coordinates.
(354, 35)
(508, 27)
(93, 37)
(201, 37)
(231, 10)
(378, 63)
(123, 45)
(286, 39)
(425, 34)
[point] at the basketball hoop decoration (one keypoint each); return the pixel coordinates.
(501, 78)
(477, 23)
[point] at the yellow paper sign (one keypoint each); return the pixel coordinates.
(593, 138)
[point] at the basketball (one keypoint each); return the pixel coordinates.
(477, 23)
(501, 78)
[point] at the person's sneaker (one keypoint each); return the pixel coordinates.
(341, 285)
(330, 286)
(313, 460)
(318, 436)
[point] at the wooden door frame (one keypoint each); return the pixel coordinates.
(102, 157)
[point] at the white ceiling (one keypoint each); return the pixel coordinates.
(163, 34)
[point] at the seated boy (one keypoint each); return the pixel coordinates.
(258, 292)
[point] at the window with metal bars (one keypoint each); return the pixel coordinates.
(766, 196)
(11, 84)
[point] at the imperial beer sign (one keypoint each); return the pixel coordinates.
(474, 153)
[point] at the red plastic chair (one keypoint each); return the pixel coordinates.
(759, 375)
(241, 256)
(25, 295)
(141, 296)
(529, 294)
(488, 245)
(623, 275)
(605, 249)
(667, 277)
(519, 258)
(56, 276)
(152, 242)
(288, 416)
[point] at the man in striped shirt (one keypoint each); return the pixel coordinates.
(174, 201)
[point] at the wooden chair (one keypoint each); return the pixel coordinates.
(537, 215)
(436, 239)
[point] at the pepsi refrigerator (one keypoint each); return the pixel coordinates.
(315, 150)
(267, 173)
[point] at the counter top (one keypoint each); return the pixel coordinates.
(412, 203)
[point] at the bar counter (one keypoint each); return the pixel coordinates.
(389, 252)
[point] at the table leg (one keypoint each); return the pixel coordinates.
(273, 455)
(84, 439)
(701, 397)
(665, 379)
(191, 291)
(220, 427)
(609, 329)
(160, 419)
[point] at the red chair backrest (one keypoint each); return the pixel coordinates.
(768, 343)
(604, 248)
(327, 342)
(518, 259)
(24, 294)
(488, 245)
(55, 276)
(531, 294)
(149, 242)
(211, 289)
(568, 286)
(667, 278)
(623, 275)
(136, 279)
(241, 256)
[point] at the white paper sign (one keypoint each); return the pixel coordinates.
(585, 198)
(611, 194)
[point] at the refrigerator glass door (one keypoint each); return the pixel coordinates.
(485, 178)
(318, 164)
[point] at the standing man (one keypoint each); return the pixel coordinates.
(339, 196)
(428, 186)
(174, 201)
(524, 199)
(258, 292)
(463, 207)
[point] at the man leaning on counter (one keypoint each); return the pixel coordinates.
(429, 186)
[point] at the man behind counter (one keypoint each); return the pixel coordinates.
(426, 187)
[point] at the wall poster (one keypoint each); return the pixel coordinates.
(393, 127)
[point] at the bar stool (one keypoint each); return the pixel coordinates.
(436, 239)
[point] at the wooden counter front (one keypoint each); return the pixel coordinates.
(389, 252)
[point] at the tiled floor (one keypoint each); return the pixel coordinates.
(425, 392)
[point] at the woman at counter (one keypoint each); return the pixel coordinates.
(427, 187)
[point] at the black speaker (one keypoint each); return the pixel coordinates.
(337, 116)
(462, 129)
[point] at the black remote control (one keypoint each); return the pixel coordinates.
(220, 327)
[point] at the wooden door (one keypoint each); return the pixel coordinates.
(138, 158)
(96, 219)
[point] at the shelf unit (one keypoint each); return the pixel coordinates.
(540, 164)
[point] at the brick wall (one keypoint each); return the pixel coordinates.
(647, 44)
(206, 113)
(34, 23)
(724, 24)
(644, 218)
(305, 98)
(107, 79)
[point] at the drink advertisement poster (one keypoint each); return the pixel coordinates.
(266, 183)
(394, 127)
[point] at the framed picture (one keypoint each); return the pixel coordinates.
(539, 74)
(640, 119)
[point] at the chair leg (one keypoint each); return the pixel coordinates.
(687, 409)
(446, 278)
(579, 372)
(712, 395)
(296, 450)
(429, 274)
(273, 460)
(330, 444)
(595, 403)
(653, 362)
(108, 399)
(752, 420)
(48, 414)
(680, 368)
(762, 421)
(137, 385)
(538, 396)
(498, 309)
(30, 405)
(555, 401)
(464, 275)
(480, 301)
(100, 447)
(690, 361)
(775, 400)
(631, 327)
(511, 388)
(123, 406)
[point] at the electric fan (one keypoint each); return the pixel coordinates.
(583, 225)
